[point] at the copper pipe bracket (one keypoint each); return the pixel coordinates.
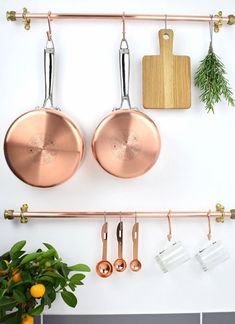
(219, 23)
(9, 214)
(221, 209)
(231, 20)
(11, 15)
(26, 21)
(24, 219)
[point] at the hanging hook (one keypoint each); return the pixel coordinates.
(209, 224)
(169, 236)
(105, 219)
(123, 26)
(120, 216)
(49, 33)
(135, 217)
(165, 21)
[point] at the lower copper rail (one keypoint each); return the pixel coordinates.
(24, 214)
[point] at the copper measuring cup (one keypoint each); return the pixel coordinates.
(104, 268)
(135, 263)
(120, 263)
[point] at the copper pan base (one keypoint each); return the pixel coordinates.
(126, 143)
(43, 147)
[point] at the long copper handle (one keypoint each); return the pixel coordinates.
(104, 236)
(120, 239)
(135, 238)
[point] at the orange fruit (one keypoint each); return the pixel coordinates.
(16, 275)
(27, 319)
(38, 290)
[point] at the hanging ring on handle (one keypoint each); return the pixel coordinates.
(209, 224)
(123, 26)
(49, 33)
(169, 236)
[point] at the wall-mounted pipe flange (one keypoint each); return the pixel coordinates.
(220, 208)
(24, 219)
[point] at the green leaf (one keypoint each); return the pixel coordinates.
(16, 248)
(19, 296)
(46, 278)
(37, 310)
(30, 257)
(4, 301)
(69, 298)
(50, 247)
(80, 267)
(76, 279)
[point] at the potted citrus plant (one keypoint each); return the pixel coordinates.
(31, 281)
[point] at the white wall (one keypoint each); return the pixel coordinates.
(194, 172)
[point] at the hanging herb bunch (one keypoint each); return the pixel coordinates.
(210, 79)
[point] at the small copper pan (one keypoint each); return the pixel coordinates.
(126, 143)
(43, 147)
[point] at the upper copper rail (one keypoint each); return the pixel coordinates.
(24, 214)
(218, 19)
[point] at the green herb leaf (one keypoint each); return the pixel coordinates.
(80, 267)
(210, 79)
(69, 298)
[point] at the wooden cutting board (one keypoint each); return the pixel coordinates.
(166, 77)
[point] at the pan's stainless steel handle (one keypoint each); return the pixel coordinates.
(49, 58)
(124, 65)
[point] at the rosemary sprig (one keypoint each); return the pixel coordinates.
(210, 79)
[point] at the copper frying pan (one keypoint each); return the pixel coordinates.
(43, 147)
(126, 143)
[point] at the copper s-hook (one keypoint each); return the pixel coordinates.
(49, 33)
(123, 26)
(169, 236)
(209, 224)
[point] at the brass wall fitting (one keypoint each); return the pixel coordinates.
(231, 20)
(23, 218)
(219, 23)
(220, 208)
(26, 21)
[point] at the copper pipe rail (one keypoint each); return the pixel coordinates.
(24, 214)
(26, 16)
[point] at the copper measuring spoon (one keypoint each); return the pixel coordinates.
(104, 268)
(120, 263)
(135, 263)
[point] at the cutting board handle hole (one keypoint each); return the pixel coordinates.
(166, 36)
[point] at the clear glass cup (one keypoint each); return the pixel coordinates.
(172, 257)
(212, 255)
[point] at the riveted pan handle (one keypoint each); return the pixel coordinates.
(49, 58)
(124, 65)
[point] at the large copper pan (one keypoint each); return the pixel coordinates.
(43, 147)
(126, 143)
